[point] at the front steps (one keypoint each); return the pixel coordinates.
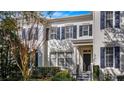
(84, 76)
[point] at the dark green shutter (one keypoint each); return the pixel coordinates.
(80, 31)
(63, 33)
(102, 57)
(102, 20)
(58, 33)
(117, 57)
(117, 19)
(47, 33)
(74, 31)
(90, 30)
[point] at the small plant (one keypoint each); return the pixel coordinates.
(96, 72)
(63, 76)
(120, 78)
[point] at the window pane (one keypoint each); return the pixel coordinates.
(53, 55)
(85, 33)
(69, 55)
(85, 27)
(69, 32)
(61, 62)
(53, 33)
(67, 35)
(69, 62)
(53, 59)
(109, 56)
(85, 30)
(53, 36)
(109, 19)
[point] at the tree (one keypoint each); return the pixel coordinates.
(26, 42)
(7, 62)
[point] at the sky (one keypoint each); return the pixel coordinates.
(60, 14)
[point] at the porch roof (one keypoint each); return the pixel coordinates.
(82, 42)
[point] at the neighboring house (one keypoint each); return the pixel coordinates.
(34, 34)
(108, 42)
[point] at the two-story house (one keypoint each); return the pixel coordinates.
(70, 43)
(79, 42)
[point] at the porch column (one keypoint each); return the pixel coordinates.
(45, 56)
(92, 71)
(75, 55)
(78, 56)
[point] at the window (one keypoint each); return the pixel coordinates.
(109, 19)
(53, 33)
(53, 59)
(84, 30)
(69, 32)
(65, 32)
(69, 59)
(106, 19)
(109, 56)
(61, 59)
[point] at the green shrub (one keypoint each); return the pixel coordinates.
(107, 77)
(45, 72)
(120, 78)
(96, 72)
(62, 76)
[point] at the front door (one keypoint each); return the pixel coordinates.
(86, 62)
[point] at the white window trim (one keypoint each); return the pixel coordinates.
(83, 30)
(113, 19)
(53, 32)
(60, 57)
(113, 59)
(57, 58)
(70, 31)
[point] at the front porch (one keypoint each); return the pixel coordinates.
(83, 57)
